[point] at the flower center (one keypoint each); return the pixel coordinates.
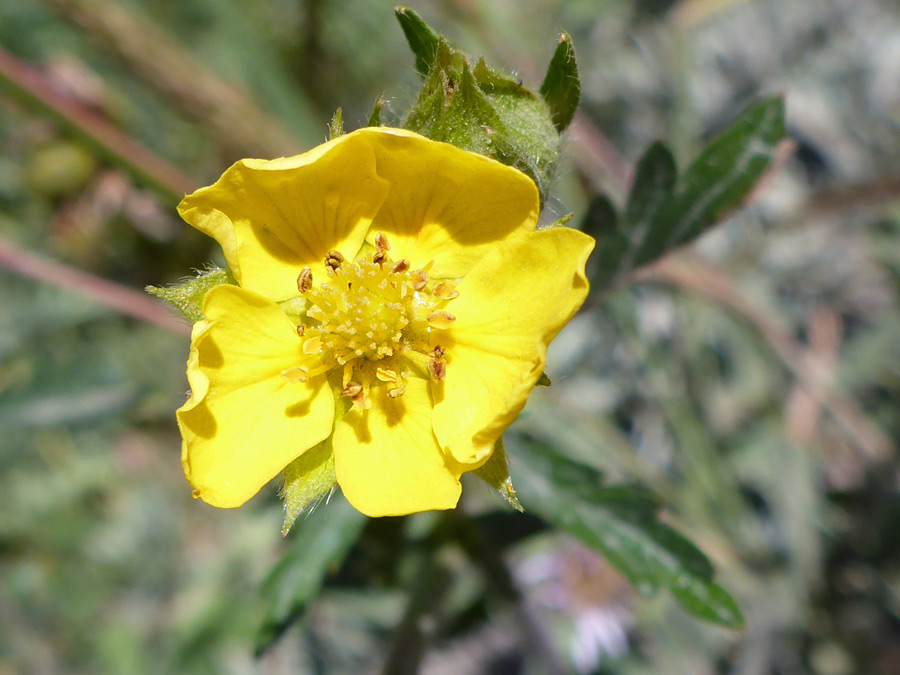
(375, 319)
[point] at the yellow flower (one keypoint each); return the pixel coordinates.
(395, 302)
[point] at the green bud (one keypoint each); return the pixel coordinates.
(483, 110)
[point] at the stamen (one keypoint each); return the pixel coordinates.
(440, 319)
(295, 374)
(351, 389)
(382, 246)
(438, 353)
(381, 242)
(401, 266)
(397, 391)
(437, 369)
(304, 280)
(446, 290)
(301, 329)
(419, 279)
(361, 401)
(312, 346)
(333, 260)
(386, 375)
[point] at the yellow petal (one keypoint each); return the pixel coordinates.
(387, 460)
(272, 218)
(509, 309)
(245, 422)
(446, 204)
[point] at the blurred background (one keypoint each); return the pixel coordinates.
(752, 381)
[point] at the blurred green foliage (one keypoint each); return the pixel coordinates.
(752, 383)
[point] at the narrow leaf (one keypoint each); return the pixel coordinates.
(718, 180)
(320, 543)
(562, 87)
(188, 297)
(665, 211)
(654, 178)
(423, 41)
(622, 523)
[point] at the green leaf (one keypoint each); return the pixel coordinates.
(718, 180)
(307, 480)
(336, 126)
(423, 41)
(654, 179)
(319, 545)
(622, 523)
(562, 87)
(188, 297)
(665, 211)
(495, 472)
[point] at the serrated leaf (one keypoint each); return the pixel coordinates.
(307, 480)
(495, 472)
(319, 544)
(188, 297)
(423, 41)
(562, 86)
(336, 126)
(665, 211)
(622, 523)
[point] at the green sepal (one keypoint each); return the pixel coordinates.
(559, 222)
(336, 126)
(307, 480)
(495, 472)
(375, 116)
(543, 381)
(562, 87)
(187, 298)
(423, 41)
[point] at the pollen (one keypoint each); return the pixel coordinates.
(371, 323)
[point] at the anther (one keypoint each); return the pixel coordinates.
(397, 391)
(401, 266)
(440, 319)
(312, 345)
(446, 290)
(352, 389)
(301, 329)
(333, 260)
(438, 353)
(382, 246)
(386, 375)
(361, 401)
(304, 280)
(419, 279)
(295, 374)
(381, 242)
(437, 369)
